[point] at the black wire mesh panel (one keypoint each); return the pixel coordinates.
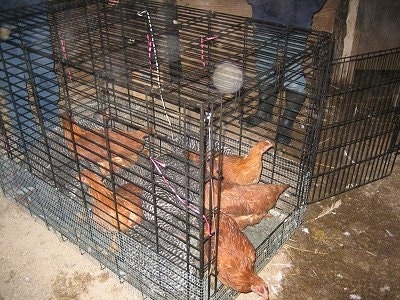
(123, 50)
(150, 95)
(360, 131)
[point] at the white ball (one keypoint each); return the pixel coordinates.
(227, 78)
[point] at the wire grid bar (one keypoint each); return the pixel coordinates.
(359, 137)
(117, 72)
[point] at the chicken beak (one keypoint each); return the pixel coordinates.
(261, 291)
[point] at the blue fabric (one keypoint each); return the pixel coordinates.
(268, 44)
(296, 13)
(26, 63)
(12, 4)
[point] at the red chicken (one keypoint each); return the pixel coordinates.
(236, 258)
(242, 170)
(238, 169)
(92, 145)
(246, 204)
(126, 214)
(249, 204)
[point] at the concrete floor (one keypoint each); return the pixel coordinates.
(347, 248)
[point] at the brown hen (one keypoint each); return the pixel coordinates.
(236, 258)
(249, 204)
(92, 145)
(242, 170)
(127, 197)
(246, 204)
(238, 169)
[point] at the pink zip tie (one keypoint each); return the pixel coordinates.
(64, 55)
(208, 226)
(157, 165)
(112, 3)
(202, 40)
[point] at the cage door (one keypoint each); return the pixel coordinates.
(359, 137)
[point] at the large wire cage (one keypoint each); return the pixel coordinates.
(149, 96)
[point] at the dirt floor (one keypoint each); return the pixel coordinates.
(347, 248)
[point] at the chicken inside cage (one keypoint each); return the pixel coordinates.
(123, 146)
(123, 212)
(236, 258)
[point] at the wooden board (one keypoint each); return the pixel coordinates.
(324, 20)
(234, 7)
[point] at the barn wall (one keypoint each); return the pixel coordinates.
(378, 26)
